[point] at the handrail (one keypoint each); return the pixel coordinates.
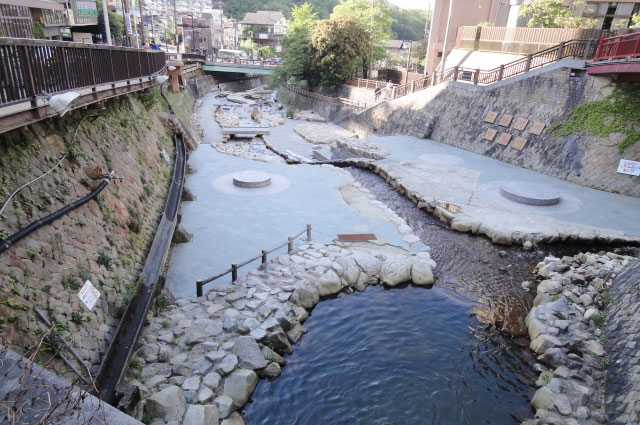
(31, 67)
(619, 47)
(584, 49)
(234, 266)
(324, 98)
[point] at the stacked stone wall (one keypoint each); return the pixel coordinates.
(546, 96)
(104, 241)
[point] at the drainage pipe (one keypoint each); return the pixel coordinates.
(51, 217)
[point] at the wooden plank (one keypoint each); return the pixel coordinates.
(357, 237)
(245, 130)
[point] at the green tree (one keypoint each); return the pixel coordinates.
(360, 12)
(553, 14)
(266, 52)
(407, 24)
(247, 46)
(296, 53)
(635, 20)
(336, 45)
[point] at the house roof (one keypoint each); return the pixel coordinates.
(262, 17)
(395, 44)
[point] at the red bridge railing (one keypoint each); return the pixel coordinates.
(30, 67)
(619, 47)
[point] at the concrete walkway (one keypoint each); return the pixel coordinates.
(232, 224)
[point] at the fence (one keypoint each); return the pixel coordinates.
(30, 67)
(15, 21)
(583, 49)
(619, 47)
(519, 40)
(263, 255)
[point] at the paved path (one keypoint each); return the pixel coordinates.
(230, 225)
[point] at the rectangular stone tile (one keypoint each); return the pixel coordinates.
(505, 121)
(504, 139)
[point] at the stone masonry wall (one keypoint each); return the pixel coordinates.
(331, 111)
(623, 331)
(104, 240)
(546, 95)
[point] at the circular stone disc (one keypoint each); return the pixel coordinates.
(529, 193)
(251, 178)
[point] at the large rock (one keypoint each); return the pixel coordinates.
(225, 405)
(168, 404)
(228, 363)
(239, 386)
(272, 356)
(248, 352)
(395, 270)
(543, 342)
(350, 269)
(543, 399)
(305, 295)
(421, 273)
(329, 283)
(233, 419)
(279, 341)
(201, 415)
(367, 262)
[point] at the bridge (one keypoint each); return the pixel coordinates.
(619, 55)
(34, 72)
(244, 66)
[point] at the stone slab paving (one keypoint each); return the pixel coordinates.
(232, 226)
(201, 359)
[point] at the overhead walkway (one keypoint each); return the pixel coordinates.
(243, 66)
(32, 72)
(620, 56)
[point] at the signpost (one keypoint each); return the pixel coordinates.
(629, 167)
(89, 295)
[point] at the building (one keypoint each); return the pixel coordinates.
(196, 33)
(51, 19)
(265, 28)
(232, 34)
(463, 12)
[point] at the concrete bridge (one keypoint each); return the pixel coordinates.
(41, 79)
(243, 66)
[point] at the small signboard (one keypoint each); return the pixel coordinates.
(491, 117)
(490, 134)
(89, 295)
(629, 167)
(521, 123)
(519, 143)
(504, 139)
(538, 128)
(505, 120)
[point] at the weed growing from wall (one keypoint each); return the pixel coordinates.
(618, 112)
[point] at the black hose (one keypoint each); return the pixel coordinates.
(51, 217)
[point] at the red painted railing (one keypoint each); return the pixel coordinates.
(619, 47)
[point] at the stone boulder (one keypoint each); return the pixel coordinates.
(421, 273)
(248, 352)
(233, 419)
(239, 386)
(395, 270)
(201, 415)
(350, 269)
(279, 341)
(168, 404)
(329, 283)
(305, 295)
(367, 262)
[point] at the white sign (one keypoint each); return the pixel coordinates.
(89, 295)
(629, 167)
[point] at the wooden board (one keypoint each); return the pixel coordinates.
(521, 123)
(519, 143)
(490, 134)
(245, 130)
(505, 120)
(504, 139)
(538, 128)
(491, 117)
(355, 237)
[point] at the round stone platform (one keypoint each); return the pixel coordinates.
(529, 193)
(251, 178)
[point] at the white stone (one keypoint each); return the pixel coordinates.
(168, 404)
(239, 386)
(421, 273)
(201, 415)
(329, 283)
(191, 383)
(225, 405)
(395, 270)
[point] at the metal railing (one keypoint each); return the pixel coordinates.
(583, 49)
(619, 47)
(250, 62)
(193, 57)
(234, 266)
(30, 67)
(328, 99)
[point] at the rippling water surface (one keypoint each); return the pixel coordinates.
(402, 356)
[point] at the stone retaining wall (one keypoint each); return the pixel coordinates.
(545, 95)
(623, 333)
(331, 111)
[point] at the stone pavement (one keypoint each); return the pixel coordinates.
(232, 224)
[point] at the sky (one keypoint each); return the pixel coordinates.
(412, 4)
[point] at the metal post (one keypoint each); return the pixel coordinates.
(290, 245)
(264, 256)
(455, 73)
(234, 272)
(199, 288)
(476, 76)
(105, 16)
(309, 226)
(587, 50)
(500, 72)
(560, 51)
(527, 66)
(141, 23)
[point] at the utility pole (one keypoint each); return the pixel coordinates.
(141, 23)
(127, 23)
(406, 79)
(175, 22)
(105, 17)
(446, 37)
(373, 11)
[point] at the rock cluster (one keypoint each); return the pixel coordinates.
(307, 115)
(201, 359)
(565, 330)
(335, 136)
(243, 150)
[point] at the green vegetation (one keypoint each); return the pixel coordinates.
(135, 221)
(38, 30)
(70, 282)
(266, 52)
(604, 360)
(617, 113)
(553, 14)
(600, 319)
(104, 259)
(17, 305)
(116, 24)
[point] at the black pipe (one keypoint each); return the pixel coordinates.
(51, 217)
